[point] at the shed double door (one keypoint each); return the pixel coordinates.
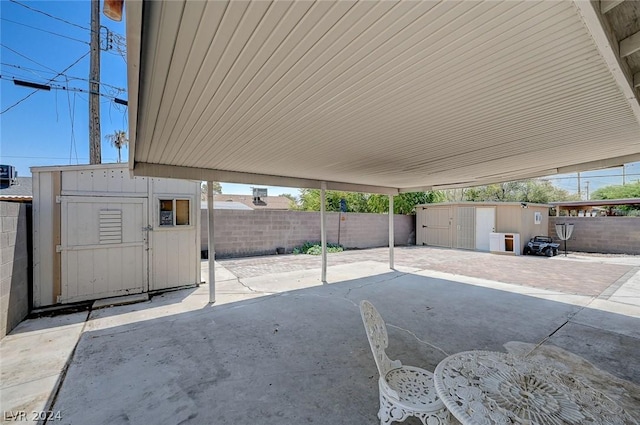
(104, 247)
(435, 226)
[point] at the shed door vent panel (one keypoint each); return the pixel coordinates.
(466, 228)
(110, 226)
(103, 247)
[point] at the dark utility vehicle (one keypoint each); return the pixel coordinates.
(541, 245)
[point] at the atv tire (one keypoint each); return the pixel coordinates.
(548, 252)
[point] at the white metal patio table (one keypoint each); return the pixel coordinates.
(486, 388)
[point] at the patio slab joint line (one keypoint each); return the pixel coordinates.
(250, 288)
(569, 319)
(401, 274)
(63, 373)
(419, 340)
(607, 293)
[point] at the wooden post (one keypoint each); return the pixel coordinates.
(95, 154)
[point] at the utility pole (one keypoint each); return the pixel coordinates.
(95, 154)
(623, 175)
(579, 188)
(587, 188)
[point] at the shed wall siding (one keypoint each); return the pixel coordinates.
(529, 228)
(508, 219)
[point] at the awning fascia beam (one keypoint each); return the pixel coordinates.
(205, 174)
(592, 18)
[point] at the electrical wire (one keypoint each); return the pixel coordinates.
(119, 90)
(35, 91)
(72, 114)
(51, 157)
(48, 32)
(26, 57)
(50, 86)
(49, 15)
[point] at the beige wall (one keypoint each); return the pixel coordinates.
(14, 283)
(244, 233)
(609, 235)
(528, 229)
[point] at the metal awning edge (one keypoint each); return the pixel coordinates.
(207, 174)
(591, 17)
(134, 39)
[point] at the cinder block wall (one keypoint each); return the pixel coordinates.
(258, 232)
(608, 235)
(14, 282)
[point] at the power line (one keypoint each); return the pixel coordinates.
(68, 77)
(50, 86)
(26, 57)
(49, 32)
(35, 91)
(47, 157)
(72, 117)
(49, 15)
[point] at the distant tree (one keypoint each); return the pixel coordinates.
(217, 189)
(534, 191)
(631, 190)
(626, 191)
(310, 200)
(293, 204)
(118, 140)
(403, 203)
(455, 195)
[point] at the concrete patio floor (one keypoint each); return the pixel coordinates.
(280, 347)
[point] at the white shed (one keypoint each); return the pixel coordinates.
(502, 227)
(98, 233)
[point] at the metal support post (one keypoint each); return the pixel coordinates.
(212, 252)
(323, 230)
(391, 235)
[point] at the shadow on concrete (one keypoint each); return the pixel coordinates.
(302, 356)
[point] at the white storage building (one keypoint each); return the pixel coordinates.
(503, 227)
(98, 233)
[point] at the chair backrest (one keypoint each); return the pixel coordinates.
(377, 336)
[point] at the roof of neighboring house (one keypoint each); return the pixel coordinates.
(265, 203)
(21, 190)
(229, 205)
(597, 202)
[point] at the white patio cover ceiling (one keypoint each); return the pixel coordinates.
(378, 96)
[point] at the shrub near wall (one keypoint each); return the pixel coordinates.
(259, 232)
(14, 283)
(607, 235)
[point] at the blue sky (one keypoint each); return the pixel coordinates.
(51, 127)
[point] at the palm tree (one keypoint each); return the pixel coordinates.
(118, 139)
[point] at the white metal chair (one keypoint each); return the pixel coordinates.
(404, 390)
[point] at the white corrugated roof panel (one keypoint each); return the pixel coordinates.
(389, 94)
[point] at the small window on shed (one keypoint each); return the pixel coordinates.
(174, 212)
(182, 212)
(166, 212)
